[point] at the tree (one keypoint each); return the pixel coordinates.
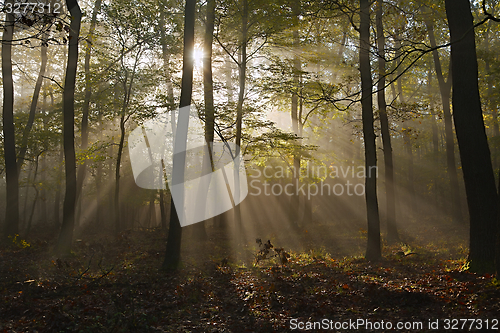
(166, 53)
(34, 102)
(173, 250)
(444, 88)
(239, 110)
(294, 199)
(86, 102)
(66, 235)
(208, 92)
(392, 231)
(124, 117)
(373, 250)
(9, 139)
(482, 198)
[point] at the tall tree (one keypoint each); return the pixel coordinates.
(34, 102)
(239, 108)
(475, 156)
(444, 88)
(392, 230)
(373, 250)
(208, 91)
(173, 250)
(86, 101)
(170, 96)
(297, 67)
(127, 93)
(66, 235)
(9, 140)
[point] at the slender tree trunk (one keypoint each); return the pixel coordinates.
(26, 196)
(208, 88)
(30, 219)
(480, 186)
(340, 56)
(294, 199)
(57, 197)
(308, 205)
(220, 220)
(163, 213)
(34, 102)
(170, 98)
(435, 141)
(66, 236)
(173, 249)
(435, 134)
(98, 179)
(43, 162)
(86, 102)
(111, 195)
(399, 80)
(373, 249)
(152, 211)
(9, 139)
(239, 112)
(444, 88)
(406, 134)
(392, 230)
(116, 205)
(228, 74)
(208, 85)
(127, 93)
(411, 178)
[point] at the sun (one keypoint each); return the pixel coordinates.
(198, 55)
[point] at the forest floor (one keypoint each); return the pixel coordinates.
(115, 286)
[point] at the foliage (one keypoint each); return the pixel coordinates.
(280, 255)
(19, 242)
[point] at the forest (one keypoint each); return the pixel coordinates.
(250, 166)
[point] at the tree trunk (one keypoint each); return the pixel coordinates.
(166, 60)
(163, 213)
(127, 92)
(435, 140)
(116, 205)
(30, 219)
(392, 230)
(399, 80)
(66, 236)
(170, 98)
(173, 248)
(208, 90)
(152, 211)
(294, 198)
(57, 198)
(9, 139)
(86, 102)
(239, 113)
(444, 88)
(26, 196)
(34, 102)
(43, 162)
(373, 250)
(98, 180)
(411, 179)
(482, 198)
